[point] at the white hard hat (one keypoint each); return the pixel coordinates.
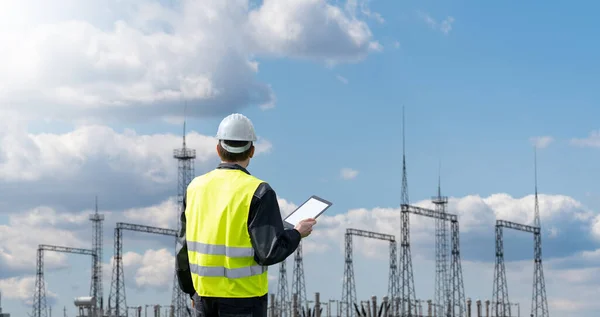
(236, 127)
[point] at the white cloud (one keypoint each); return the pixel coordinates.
(477, 215)
(342, 79)
(163, 215)
(71, 163)
(104, 58)
(72, 229)
(19, 245)
(302, 28)
(361, 6)
(445, 26)
(593, 140)
(596, 227)
(21, 288)
(152, 269)
(348, 173)
(30, 157)
(263, 146)
(156, 270)
(541, 142)
(286, 207)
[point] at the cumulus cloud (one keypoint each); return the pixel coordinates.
(569, 220)
(541, 142)
(154, 269)
(31, 157)
(593, 140)
(348, 173)
(103, 58)
(21, 288)
(19, 245)
(94, 159)
(72, 229)
(568, 274)
(163, 215)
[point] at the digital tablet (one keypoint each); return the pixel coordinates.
(311, 208)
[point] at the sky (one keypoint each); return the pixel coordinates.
(92, 98)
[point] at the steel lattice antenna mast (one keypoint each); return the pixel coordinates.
(407, 294)
(539, 303)
(442, 278)
(298, 283)
(281, 297)
(97, 243)
(185, 158)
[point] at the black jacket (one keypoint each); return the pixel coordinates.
(272, 244)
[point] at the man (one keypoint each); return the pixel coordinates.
(231, 231)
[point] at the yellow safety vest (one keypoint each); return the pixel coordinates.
(219, 248)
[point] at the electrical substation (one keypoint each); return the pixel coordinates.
(400, 300)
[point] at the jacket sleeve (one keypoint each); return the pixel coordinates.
(182, 264)
(271, 242)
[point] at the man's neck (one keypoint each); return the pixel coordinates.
(242, 164)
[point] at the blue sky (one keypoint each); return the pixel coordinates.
(91, 111)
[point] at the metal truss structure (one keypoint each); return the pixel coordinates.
(457, 299)
(40, 308)
(117, 305)
(349, 285)
(281, 299)
(185, 173)
(502, 305)
(443, 284)
(97, 243)
(408, 301)
(298, 281)
(539, 302)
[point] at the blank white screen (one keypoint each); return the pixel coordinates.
(309, 210)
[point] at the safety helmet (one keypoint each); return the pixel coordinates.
(236, 127)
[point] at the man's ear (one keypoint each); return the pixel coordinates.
(252, 151)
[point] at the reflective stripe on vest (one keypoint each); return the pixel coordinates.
(220, 251)
(231, 252)
(214, 271)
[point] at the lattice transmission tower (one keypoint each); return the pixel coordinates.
(539, 303)
(443, 287)
(185, 173)
(298, 281)
(40, 307)
(117, 303)
(407, 283)
(349, 300)
(97, 243)
(281, 297)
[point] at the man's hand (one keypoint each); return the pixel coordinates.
(305, 227)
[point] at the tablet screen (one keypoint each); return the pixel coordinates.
(312, 208)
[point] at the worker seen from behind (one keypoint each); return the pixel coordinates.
(232, 230)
